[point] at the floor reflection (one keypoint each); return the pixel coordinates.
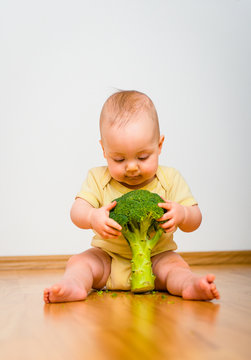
(120, 323)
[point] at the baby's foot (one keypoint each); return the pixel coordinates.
(67, 290)
(200, 288)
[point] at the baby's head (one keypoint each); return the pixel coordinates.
(130, 138)
(123, 107)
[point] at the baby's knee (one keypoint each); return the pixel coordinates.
(94, 258)
(167, 260)
(95, 262)
(100, 264)
(74, 259)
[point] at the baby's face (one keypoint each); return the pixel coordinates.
(132, 151)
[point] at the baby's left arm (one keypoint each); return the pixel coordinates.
(187, 218)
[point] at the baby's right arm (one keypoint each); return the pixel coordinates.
(85, 216)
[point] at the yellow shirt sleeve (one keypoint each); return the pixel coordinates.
(91, 189)
(180, 191)
(176, 187)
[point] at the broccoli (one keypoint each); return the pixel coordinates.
(137, 212)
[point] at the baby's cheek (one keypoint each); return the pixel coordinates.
(115, 171)
(150, 169)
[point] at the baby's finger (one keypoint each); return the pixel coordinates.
(171, 230)
(111, 205)
(168, 224)
(109, 233)
(109, 236)
(167, 216)
(163, 218)
(113, 224)
(166, 205)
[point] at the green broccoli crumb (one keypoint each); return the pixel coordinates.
(154, 293)
(163, 296)
(100, 292)
(114, 295)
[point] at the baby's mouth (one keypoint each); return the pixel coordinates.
(133, 177)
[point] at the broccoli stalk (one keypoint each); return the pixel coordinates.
(137, 212)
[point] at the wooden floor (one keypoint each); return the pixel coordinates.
(120, 325)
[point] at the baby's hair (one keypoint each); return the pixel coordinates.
(119, 107)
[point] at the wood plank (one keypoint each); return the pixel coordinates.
(43, 262)
(48, 262)
(217, 257)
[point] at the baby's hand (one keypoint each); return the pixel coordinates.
(173, 217)
(102, 224)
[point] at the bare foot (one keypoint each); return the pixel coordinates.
(67, 290)
(200, 288)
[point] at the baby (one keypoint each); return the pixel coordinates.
(131, 143)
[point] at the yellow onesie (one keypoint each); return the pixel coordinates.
(101, 189)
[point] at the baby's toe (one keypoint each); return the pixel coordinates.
(213, 287)
(46, 296)
(214, 291)
(210, 278)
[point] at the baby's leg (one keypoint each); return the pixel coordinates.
(87, 270)
(173, 274)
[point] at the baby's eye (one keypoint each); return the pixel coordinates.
(143, 157)
(118, 160)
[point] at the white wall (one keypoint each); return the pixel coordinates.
(60, 60)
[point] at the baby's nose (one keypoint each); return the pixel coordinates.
(132, 166)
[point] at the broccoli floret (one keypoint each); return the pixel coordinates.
(137, 212)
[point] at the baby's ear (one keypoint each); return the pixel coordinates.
(100, 141)
(161, 140)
